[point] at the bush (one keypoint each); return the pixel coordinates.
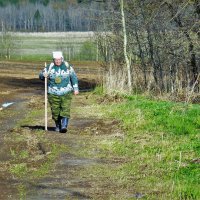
(87, 52)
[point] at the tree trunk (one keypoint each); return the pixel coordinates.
(151, 52)
(193, 63)
(125, 47)
(141, 55)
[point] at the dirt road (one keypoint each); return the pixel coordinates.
(35, 164)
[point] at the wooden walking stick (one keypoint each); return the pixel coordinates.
(45, 100)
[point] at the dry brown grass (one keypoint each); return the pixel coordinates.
(169, 88)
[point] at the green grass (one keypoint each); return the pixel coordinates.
(45, 168)
(22, 191)
(161, 141)
(172, 118)
(19, 170)
(33, 114)
(98, 90)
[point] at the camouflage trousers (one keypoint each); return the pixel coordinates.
(60, 105)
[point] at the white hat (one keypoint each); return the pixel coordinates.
(57, 54)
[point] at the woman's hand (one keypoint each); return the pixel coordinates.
(76, 92)
(45, 74)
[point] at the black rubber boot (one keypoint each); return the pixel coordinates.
(64, 124)
(57, 128)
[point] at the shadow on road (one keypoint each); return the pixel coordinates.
(35, 83)
(37, 127)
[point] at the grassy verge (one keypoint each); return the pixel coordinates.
(162, 143)
(160, 148)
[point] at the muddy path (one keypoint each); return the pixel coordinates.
(19, 82)
(35, 164)
(68, 178)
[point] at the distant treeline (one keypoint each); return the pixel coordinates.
(50, 15)
(6, 2)
(44, 2)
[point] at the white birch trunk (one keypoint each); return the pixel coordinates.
(128, 65)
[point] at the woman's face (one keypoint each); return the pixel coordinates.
(58, 61)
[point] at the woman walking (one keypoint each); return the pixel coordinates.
(62, 82)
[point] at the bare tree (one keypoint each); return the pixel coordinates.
(7, 43)
(128, 65)
(161, 42)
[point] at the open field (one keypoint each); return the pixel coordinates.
(38, 46)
